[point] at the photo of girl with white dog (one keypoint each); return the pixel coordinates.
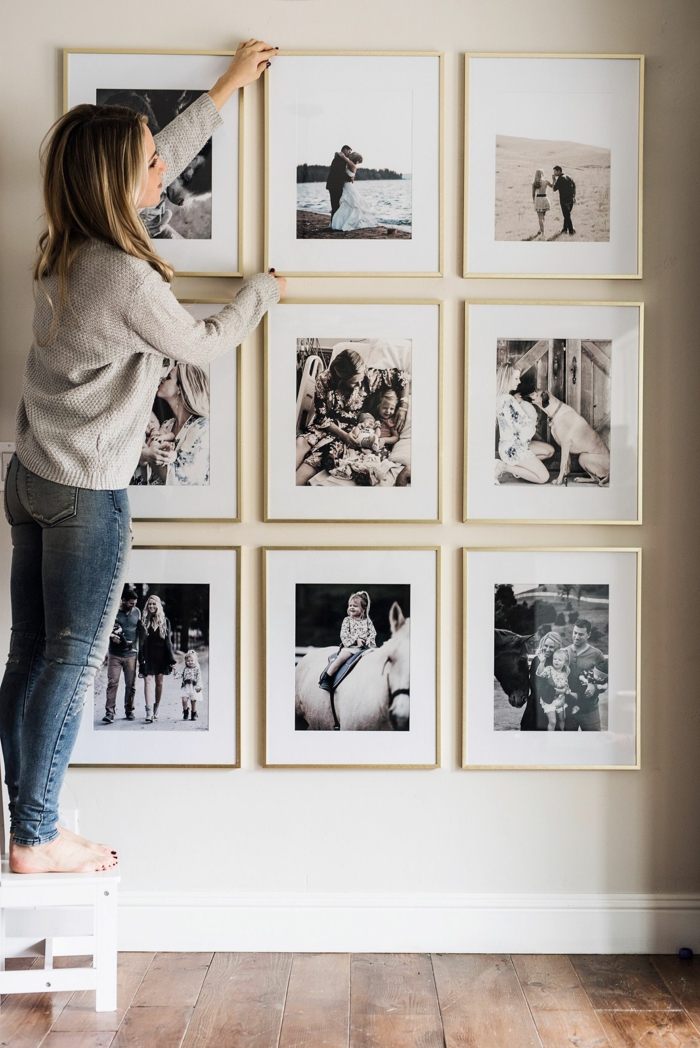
(553, 402)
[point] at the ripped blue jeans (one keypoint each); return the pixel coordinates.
(70, 551)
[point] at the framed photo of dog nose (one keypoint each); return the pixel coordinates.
(551, 659)
(189, 463)
(353, 163)
(196, 225)
(553, 166)
(351, 657)
(168, 691)
(553, 427)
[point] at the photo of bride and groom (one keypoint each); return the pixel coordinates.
(342, 192)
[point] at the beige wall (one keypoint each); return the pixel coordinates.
(445, 830)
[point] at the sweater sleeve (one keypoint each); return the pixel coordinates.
(159, 320)
(184, 136)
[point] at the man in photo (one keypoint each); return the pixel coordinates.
(583, 712)
(121, 656)
(338, 175)
(566, 188)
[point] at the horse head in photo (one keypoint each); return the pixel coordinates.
(511, 666)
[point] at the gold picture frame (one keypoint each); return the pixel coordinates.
(67, 52)
(466, 518)
(356, 302)
(204, 301)
(467, 275)
(264, 624)
(637, 551)
(237, 675)
(441, 162)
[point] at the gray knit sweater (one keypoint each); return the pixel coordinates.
(89, 391)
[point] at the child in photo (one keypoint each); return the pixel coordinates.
(596, 680)
(191, 686)
(367, 432)
(385, 413)
(558, 676)
(357, 634)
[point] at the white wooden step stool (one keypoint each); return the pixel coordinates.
(60, 914)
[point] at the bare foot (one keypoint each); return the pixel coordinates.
(101, 849)
(59, 856)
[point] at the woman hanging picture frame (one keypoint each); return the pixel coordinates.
(345, 685)
(551, 658)
(189, 464)
(168, 692)
(353, 411)
(197, 227)
(553, 428)
(354, 163)
(553, 166)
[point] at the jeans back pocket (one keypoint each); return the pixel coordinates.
(50, 503)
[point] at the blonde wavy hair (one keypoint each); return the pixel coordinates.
(504, 377)
(157, 621)
(194, 386)
(93, 164)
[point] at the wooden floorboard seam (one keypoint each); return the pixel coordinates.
(527, 1003)
(437, 998)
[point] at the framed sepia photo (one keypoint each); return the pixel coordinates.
(351, 657)
(353, 411)
(189, 464)
(551, 658)
(197, 225)
(553, 428)
(168, 692)
(553, 165)
(354, 163)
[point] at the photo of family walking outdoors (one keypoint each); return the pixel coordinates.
(553, 404)
(185, 208)
(155, 675)
(551, 645)
(353, 412)
(352, 657)
(361, 190)
(176, 442)
(551, 190)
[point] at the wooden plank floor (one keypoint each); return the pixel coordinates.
(284, 1000)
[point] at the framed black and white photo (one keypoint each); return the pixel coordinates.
(553, 426)
(197, 225)
(351, 657)
(553, 167)
(189, 463)
(354, 164)
(551, 658)
(168, 691)
(353, 411)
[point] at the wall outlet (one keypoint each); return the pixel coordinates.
(68, 817)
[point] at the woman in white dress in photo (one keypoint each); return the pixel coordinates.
(352, 213)
(519, 454)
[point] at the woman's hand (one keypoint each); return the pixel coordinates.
(400, 418)
(250, 60)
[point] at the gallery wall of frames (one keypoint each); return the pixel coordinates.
(353, 408)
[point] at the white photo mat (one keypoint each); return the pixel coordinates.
(576, 98)
(296, 81)
(87, 72)
(219, 499)
(218, 746)
(420, 322)
(283, 570)
(618, 747)
(622, 325)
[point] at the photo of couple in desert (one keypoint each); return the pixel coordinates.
(345, 192)
(553, 412)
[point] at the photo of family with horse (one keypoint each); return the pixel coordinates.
(352, 656)
(553, 404)
(353, 412)
(551, 645)
(155, 676)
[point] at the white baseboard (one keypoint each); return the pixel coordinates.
(440, 923)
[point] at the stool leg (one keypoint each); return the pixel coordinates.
(48, 953)
(105, 955)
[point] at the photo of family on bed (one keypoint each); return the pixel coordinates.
(551, 650)
(553, 411)
(353, 412)
(175, 447)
